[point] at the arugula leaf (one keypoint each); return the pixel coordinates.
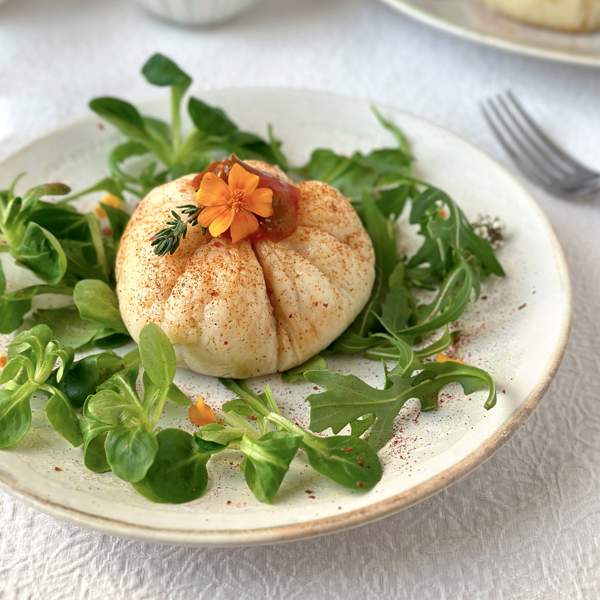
(448, 305)
(348, 398)
(446, 228)
(361, 425)
(383, 236)
(401, 138)
(360, 174)
(391, 202)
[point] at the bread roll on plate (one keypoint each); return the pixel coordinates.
(566, 15)
(255, 306)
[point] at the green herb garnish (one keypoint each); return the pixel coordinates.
(167, 240)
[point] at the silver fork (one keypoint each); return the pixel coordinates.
(538, 157)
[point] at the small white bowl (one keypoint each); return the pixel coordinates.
(196, 12)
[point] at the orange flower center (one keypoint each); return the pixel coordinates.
(238, 200)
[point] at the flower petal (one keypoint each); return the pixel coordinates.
(209, 214)
(222, 222)
(213, 191)
(243, 225)
(240, 179)
(260, 202)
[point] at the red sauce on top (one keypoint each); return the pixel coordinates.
(286, 199)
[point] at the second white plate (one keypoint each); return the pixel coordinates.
(470, 20)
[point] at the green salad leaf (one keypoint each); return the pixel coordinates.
(178, 473)
(297, 374)
(119, 424)
(156, 151)
(347, 460)
(347, 398)
(267, 460)
(32, 356)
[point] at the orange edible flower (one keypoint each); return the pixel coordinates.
(233, 205)
(200, 413)
(442, 358)
(109, 200)
(3, 360)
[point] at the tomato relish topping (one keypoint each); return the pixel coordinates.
(243, 202)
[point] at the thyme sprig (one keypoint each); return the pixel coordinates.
(167, 240)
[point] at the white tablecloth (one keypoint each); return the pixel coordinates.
(525, 525)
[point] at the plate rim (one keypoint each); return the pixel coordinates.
(357, 517)
(424, 16)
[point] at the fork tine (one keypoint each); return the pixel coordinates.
(515, 156)
(587, 189)
(524, 154)
(557, 164)
(549, 144)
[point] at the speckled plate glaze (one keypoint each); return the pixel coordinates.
(471, 20)
(518, 332)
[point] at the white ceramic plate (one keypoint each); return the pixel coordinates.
(471, 20)
(521, 347)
